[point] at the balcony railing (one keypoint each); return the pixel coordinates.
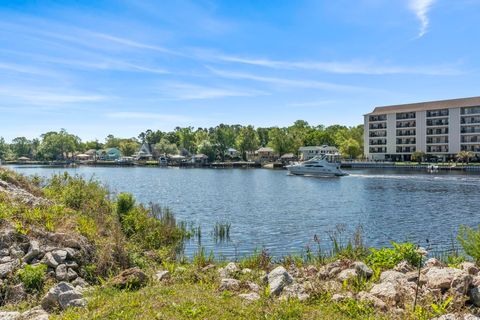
(470, 110)
(437, 122)
(470, 147)
(470, 130)
(437, 113)
(405, 149)
(409, 124)
(437, 131)
(376, 126)
(377, 118)
(406, 141)
(470, 139)
(406, 115)
(468, 120)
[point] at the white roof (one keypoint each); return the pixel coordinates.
(324, 147)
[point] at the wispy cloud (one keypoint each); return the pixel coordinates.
(317, 103)
(187, 91)
(41, 96)
(148, 116)
(354, 67)
(312, 84)
(421, 9)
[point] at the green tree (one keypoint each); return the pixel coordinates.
(247, 140)
(21, 147)
(298, 133)
(223, 138)
(465, 156)
(4, 149)
(280, 141)
(418, 156)
(58, 145)
(165, 147)
(128, 147)
(112, 142)
(350, 148)
(208, 149)
(186, 138)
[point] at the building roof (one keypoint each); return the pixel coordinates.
(324, 147)
(429, 105)
(288, 156)
(265, 149)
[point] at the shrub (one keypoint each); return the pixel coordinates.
(125, 203)
(32, 277)
(387, 258)
(469, 239)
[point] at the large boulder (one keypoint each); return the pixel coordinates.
(229, 284)
(9, 315)
(62, 296)
(474, 295)
(347, 274)
(7, 268)
(133, 278)
(448, 278)
(278, 278)
(469, 267)
(388, 292)
(36, 313)
(33, 251)
(229, 271)
(362, 269)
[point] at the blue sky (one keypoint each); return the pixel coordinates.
(121, 67)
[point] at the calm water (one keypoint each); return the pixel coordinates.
(270, 209)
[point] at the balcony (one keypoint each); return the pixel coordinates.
(406, 124)
(378, 150)
(437, 122)
(437, 113)
(439, 131)
(406, 115)
(374, 134)
(407, 141)
(437, 149)
(470, 139)
(470, 147)
(470, 110)
(382, 117)
(377, 126)
(405, 149)
(473, 129)
(378, 142)
(437, 140)
(468, 120)
(403, 133)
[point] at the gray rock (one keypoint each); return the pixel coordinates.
(446, 278)
(71, 265)
(229, 270)
(49, 260)
(433, 262)
(60, 255)
(7, 315)
(61, 273)
(15, 293)
(33, 251)
(377, 303)
(252, 286)
(6, 259)
(80, 282)
(363, 270)
(404, 267)
(338, 297)
(452, 316)
(387, 292)
(4, 252)
(392, 276)
(469, 267)
(8, 268)
(294, 291)
(162, 275)
(474, 295)
(62, 295)
(278, 278)
(252, 296)
(16, 251)
(71, 298)
(36, 313)
(229, 284)
(71, 274)
(347, 274)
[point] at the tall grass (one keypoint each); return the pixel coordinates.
(221, 232)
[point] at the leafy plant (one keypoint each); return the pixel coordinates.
(469, 239)
(441, 308)
(387, 258)
(32, 277)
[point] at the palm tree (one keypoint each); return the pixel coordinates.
(465, 156)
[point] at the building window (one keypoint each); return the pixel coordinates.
(437, 113)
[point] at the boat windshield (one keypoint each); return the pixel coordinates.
(329, 157)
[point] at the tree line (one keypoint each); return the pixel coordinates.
(213, 142)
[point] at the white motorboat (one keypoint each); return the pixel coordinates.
(326, 165)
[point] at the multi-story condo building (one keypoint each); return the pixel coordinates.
(438, 128)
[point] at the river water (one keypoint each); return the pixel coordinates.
(269, 209)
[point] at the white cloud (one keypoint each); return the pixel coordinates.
(148, 116)
(43, 96)
(186, 91)
(286, 82)
(354, 67)
(421, 9)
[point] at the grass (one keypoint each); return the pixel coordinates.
(203, 301)
(221, 231)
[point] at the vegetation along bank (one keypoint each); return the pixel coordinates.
(71, 250)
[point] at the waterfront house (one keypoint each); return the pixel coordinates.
(145, 153)
(82, 157)
(200, 159)
(23, 159)
(309, 152)
(92, 154)
(110, 154)
(232, 153)
(440, 129)
(287, 158)
(175, 159)
(266, 154)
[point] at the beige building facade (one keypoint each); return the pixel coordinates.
(441, 129)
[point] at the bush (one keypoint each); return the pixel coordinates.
(387, 258)
(125, 203)
(469, 239)
(33, 277)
